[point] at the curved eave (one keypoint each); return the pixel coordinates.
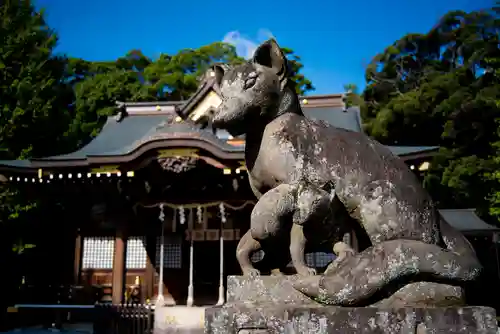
(17, 167)
(221, 152)
(218, 151)
(215, 147)
(467, 221)
(17, 170)
(413, 153)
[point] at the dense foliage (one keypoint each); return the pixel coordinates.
(443, 88)
(136, 77)
(33, 98)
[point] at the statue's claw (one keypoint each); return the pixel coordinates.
(251, 272)
(277, 273)
(343, 252)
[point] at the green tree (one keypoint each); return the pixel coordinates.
(352, 96)
(34, 96)
(95, 99)
(136, 77)
(35, 106)
(494, 174)
(440, 88)
(302, 84)
(33, 99)
(177, 77)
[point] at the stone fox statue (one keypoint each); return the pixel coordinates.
(304, 171)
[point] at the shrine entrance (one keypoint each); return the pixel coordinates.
(211, 232)
(206, 272)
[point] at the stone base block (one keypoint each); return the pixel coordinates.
(265, 289)
(251, 318)
(179, 320)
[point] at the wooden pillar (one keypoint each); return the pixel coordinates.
(149, 281)
(77, 269)
(119, 266)
(149, 275)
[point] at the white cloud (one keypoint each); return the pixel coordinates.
(246, 46)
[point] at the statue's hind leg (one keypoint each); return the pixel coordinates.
(273, 258)
(297, 251)
(359, 277)
(313, 209)
(269, 216)
(246, 247)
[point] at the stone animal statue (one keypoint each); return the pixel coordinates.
(306, 174)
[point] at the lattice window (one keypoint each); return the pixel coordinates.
(137, 255)
(317, 260)
(320, 259)
(172, 252)
(313, 260)
(98, 252)
(257, 256)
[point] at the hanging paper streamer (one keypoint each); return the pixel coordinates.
(199, 214)
(161, 217)
(196, 205)
(182, 216)
(222, 210)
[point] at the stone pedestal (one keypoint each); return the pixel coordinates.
(271, 305)
(178, 320)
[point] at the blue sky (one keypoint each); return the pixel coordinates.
(336, 39)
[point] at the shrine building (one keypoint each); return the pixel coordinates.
(156, 202)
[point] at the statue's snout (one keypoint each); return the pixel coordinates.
(223, 117)
(218, 120)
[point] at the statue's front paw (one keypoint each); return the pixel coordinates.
(251, 272)
(306, 271)
(277, 273)
(343, 250)
(331, 267)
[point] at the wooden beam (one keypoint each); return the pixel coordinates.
(119, 266)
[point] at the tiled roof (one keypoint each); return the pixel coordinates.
(149, 121)
(122, 137)
(115, 136)
(348, 119)
(466, 220)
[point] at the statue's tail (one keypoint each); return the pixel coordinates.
(359, 277)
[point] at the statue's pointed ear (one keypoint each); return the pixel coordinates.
(269, 54)
(218, 72)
